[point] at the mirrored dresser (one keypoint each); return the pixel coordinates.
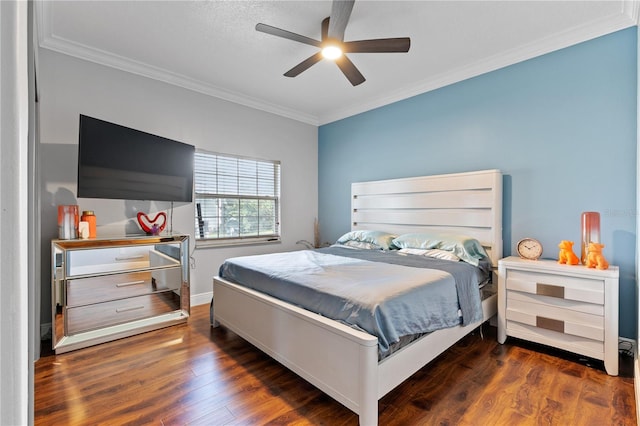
(106, 289)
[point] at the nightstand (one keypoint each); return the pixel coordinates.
(570, 307)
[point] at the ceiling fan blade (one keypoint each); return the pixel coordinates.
(304, 65)
(381, 45)
(264, 28)
(340, 13)
(349, 70)
(325, 29)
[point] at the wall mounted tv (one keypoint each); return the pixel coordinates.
(117, 162)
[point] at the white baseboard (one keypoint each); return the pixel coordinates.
(636, 381)
(636, 377)
(636, 373)
(202, 298)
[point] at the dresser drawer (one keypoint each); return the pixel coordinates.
(577, 344)
(91, 317)
(560, 304)
(548, 316)
(85, 291)
(558, 286)
(117, 259)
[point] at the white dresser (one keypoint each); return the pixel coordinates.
(569, 307)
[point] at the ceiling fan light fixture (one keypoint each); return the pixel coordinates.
(331, 51)
(332, 45)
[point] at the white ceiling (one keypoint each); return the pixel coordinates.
(213, 47)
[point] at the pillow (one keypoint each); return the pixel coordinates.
(435, 253)
(466, 248)
(417, 241)
(359, 245)
(380, 239)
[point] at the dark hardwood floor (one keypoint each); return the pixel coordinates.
(193, 374)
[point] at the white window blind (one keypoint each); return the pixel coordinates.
(237, 199)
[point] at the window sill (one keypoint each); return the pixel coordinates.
(201, 244)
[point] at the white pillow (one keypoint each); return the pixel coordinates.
(466, 248)
(382, 240)
(358, 245)
(436, 253)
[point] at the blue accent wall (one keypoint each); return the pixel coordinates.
(561, 127)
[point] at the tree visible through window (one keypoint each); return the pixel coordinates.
(236, 198)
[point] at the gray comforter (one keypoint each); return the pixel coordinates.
(386, 294)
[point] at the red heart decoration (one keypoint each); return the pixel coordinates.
(147, 224)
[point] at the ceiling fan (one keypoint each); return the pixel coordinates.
(334, 47)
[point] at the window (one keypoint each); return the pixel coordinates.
(237, 199)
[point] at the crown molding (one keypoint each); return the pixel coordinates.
(145, 70)
(627, 18)
(631, 8)
(61, 45)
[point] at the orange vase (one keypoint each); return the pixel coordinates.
(68, 222)
(590, 227)
(89, 217)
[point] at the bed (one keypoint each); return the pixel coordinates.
(353, 372)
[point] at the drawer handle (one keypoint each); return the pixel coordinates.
(550, 290)
(130, 283)
(550, 324)
(120, 259)
(129, 308)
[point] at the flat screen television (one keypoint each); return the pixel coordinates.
(118, 162)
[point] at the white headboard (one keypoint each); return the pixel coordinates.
(465, 203)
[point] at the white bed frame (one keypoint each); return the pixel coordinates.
(337, 359)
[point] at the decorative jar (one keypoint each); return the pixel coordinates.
(590, 228)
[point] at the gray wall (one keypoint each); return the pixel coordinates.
(69, 87)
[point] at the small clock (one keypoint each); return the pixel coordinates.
(529, 248)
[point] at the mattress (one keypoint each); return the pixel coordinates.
(389, 295)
